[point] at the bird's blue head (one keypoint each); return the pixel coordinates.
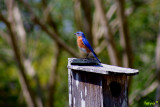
(79, 34)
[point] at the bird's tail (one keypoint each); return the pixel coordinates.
(96, 57)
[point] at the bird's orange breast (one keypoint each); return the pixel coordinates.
(81, 45)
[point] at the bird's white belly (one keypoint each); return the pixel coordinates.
(83, 50)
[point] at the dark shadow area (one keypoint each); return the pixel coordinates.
(87, 77)
(115, 89)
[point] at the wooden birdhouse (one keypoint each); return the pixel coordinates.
(97, 85)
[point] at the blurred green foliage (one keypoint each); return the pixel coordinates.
(143, 25)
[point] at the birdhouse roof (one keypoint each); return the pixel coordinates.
(92, 65)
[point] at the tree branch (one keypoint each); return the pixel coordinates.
(53, 77)
(113, 53)
(77, 15)
(48, 17)
(111, 11)
(86, 6)
(22, 76)
(53, 35)
(100, 48)
(124, 35)
(5, 37)
(18, 27)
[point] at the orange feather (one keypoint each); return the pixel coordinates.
(81, 45)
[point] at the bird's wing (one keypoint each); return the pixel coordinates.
(86, 43)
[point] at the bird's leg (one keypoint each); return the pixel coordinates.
(87, 55)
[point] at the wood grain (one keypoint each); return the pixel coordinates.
(92, 85)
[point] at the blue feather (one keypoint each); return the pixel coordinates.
(86, 43)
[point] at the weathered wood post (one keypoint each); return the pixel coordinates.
(94, 85)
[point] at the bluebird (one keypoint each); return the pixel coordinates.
(84, 45)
